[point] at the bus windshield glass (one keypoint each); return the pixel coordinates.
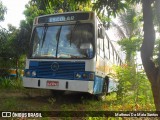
(63, 41)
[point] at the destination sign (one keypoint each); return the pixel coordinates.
(63, 17)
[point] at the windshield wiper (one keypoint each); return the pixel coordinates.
(57, 39)
(73, 30)
(44, 36)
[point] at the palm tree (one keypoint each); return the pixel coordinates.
(129, 31)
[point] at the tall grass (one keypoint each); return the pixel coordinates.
(10, 83)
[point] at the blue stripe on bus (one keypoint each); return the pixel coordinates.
(98, 85)
(33, 64)
(66, 70)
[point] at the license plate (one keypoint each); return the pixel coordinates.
(52, 83)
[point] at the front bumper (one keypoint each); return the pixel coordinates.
(67, 85)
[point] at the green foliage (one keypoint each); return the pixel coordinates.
(9, 104)
(130, 46)
(5, 83)
(31, 12)
(17, 84)
(3, 10)
(130, 21)
(52, 101)
(6, 47)
(8, 83)
(38, 7)
(15, 42)
(111, 7)
(96, 118)
(134, 87)
(156, 52)
(12, 49)
(156, 15)
(4, 73)
(129, 29)
(156, 11)
(3, 41)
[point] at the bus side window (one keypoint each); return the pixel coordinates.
(116, 60)
(109, 49)
(101, 44)
(106, 50)
(113, 55)
(101, 47)
(98, 46)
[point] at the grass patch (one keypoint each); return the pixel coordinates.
(8, 104)
(13, 97)
(11, 83)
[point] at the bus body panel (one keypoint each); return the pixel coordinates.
(67, 85)
(98, 85)
(73, 85)
(100, 65)
(89, 64)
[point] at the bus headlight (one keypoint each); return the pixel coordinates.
(84, 76)
(91, 76)
(27, 73)
(77, 75)
(34, 73)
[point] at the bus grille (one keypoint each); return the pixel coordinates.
(65, 70)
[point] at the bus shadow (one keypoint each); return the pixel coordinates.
(58, 97)
(73, 97)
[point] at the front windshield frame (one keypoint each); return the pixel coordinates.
(58, 41)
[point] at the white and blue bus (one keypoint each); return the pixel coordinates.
(70, 52)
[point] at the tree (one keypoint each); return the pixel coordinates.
(3, 10)
(38, 7)
(3, 31)
(11, 48)
(152, 71)
(128, 28)
(16, 46)
(157, 15)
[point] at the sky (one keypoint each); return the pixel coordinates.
(14, 13)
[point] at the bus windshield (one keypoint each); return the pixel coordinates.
(63, 41)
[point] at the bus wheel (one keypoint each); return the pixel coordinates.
(102, 96)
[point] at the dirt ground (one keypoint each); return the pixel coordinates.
(42, 100)
(69, 106)
(44, 97)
